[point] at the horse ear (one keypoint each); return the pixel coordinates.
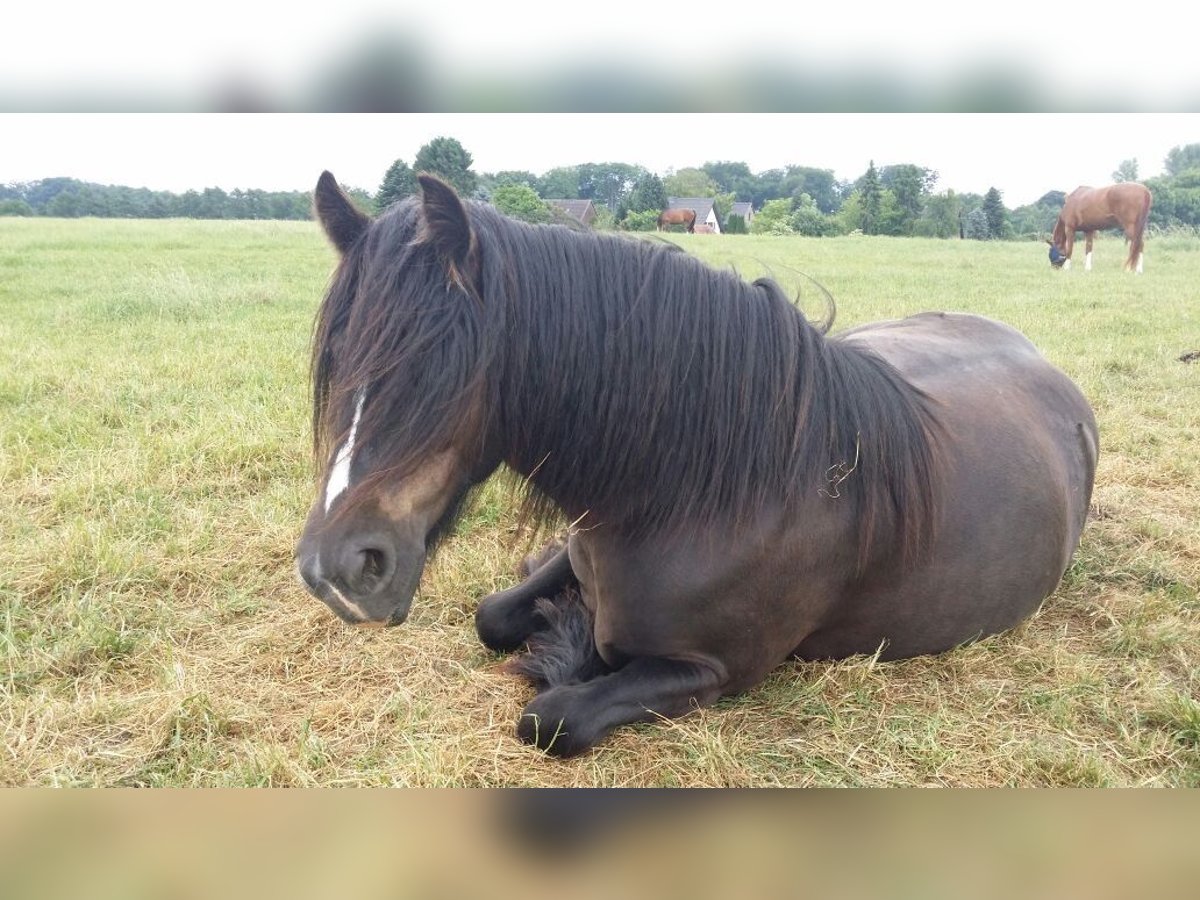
(342, 220)
(448, 229)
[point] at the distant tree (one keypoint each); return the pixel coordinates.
(560, 183)
(1176, 199)
(735, 224)
(446, 158)
(871, 200)
(690, 182)
(767, 185)
(808, 220)
(399, 182)
(609, 183)
(1052, 198)
(774, 218)
(521, 202)
(605, 220)
(910, 185)
(996, 214)
(648, 193)
(731, 178)
(819, 184)
(848, 218)
(641, 220)
(1126, 171)
(975, 225)
(941, 216)
(1035, 220)
(15, 207)
(1180, 159)
(214, 204)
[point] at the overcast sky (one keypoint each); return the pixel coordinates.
(135, 55)
(1022, 155)
(1111, 47)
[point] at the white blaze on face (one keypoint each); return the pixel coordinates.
(339, 476)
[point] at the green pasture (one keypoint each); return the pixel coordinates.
(155, 473)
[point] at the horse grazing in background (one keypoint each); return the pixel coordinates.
(742, 488)
(1125, 206)
(682, 216)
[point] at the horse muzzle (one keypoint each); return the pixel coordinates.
(366, 583)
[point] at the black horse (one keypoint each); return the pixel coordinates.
(742, 487)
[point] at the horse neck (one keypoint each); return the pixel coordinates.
(654, 394)
(1059, 235)
(642, 385)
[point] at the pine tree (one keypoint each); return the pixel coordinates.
(648, 193)
(446, 158)
(399, 182)
(871, 195)
(997, 215)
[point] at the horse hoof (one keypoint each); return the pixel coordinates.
(546, 724)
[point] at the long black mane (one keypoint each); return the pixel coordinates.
(629, 381)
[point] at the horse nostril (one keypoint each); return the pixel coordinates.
(373, 564)
(370, 566)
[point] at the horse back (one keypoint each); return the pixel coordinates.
(964, 362)
(1125, 205)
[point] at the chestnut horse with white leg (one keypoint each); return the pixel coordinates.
(681, 216)
(1125, 206)
(742, 486)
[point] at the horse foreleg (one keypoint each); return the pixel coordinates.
(569, 719)
(1068, 248)
(1087, 250)
(505, 620)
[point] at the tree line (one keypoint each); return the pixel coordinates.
(897, 199)
(891, 200)
(71, 198)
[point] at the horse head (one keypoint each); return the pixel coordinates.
(1056, 256)
(398, 428)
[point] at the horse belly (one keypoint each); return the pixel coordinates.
(1020, 455)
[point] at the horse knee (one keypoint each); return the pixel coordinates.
(534, 561)
(504, 621)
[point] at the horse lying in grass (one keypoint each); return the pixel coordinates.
(742, 487)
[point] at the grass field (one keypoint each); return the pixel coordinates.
(154, 475)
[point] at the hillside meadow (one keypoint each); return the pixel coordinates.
(155, 473)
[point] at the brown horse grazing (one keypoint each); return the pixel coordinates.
(682, 216)
(1125, 206)
(742, 487)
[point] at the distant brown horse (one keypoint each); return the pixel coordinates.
(684, 217)
(1125, 206)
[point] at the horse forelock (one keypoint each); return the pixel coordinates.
(393, 329)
